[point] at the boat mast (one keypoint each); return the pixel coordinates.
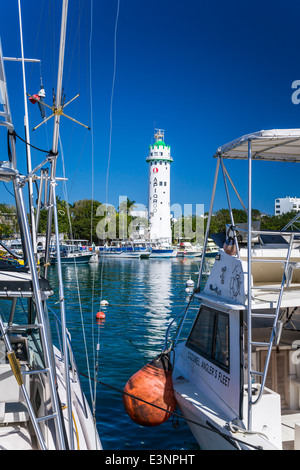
(27, 138)
(52, 212)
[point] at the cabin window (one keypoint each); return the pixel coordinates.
(210, 336)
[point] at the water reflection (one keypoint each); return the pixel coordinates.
(143, 296)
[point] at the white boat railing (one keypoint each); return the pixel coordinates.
(253, 147)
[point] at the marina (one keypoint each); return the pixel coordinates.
(136, 314)
(160, 326)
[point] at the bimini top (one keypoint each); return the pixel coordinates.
(282, 145)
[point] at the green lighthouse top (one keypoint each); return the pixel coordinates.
(159, 142)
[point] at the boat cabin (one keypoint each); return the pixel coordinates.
(237, 374)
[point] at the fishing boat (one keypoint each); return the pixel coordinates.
(187, 250)
(236, 376)
(70, 254)
(142, 247)
(42, 405)
(162, 250)
(120, 249)
(211, 249)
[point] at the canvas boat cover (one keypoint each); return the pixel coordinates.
(282, 145)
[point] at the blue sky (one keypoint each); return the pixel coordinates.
(206, 72)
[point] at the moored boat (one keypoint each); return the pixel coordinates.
(71, 254)
(42, 405)
(162, 250)
(187, 250)
(120, 249)
(236, 376)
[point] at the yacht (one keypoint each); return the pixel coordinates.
(71, 254)
(187, 250)
(162, 249)
(236, 374)
(121, 249)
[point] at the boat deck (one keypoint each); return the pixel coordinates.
(288, 423)
(18, 283)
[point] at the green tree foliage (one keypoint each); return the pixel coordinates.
(85, 219)
(8, 220)
(267, 222)
(62, 215)
(191, 227)
(112, 224)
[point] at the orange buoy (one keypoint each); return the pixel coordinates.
(153, 383)
(100, 315)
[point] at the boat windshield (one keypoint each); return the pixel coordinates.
(210, 336)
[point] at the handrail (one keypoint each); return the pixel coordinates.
(263, 232)
(274, 326)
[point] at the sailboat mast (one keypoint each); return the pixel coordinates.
(27, 138)
(52, 212)
(60, 74)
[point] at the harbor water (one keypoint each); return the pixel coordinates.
(144, 296)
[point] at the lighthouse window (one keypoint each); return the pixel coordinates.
(165, 183)
(210, 336)
(160, 183)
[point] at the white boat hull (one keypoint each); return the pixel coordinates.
(85, 434)
(210, 425)
(119, 254)
(189, 254)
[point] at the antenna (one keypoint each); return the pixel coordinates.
(159, 134)
(56, 111)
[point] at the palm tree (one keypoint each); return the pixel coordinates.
(126, 206)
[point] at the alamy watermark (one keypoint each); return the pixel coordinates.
(133, 221)
(296, 94)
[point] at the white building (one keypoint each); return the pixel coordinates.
(159, 161)
(287, 204)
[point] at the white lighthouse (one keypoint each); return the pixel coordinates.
(159, 161)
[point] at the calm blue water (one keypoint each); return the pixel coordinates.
(143, 295)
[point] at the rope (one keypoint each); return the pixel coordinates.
(173, 413)
(95, 355)
(76, 271)
(107, 171)
(30, 145)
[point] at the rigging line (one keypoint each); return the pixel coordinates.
(76, 272)
(37, 29)
(75, 38)
(30, 145)
(108, 162)
(95, 356)
(110, 118)
(91, 117)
